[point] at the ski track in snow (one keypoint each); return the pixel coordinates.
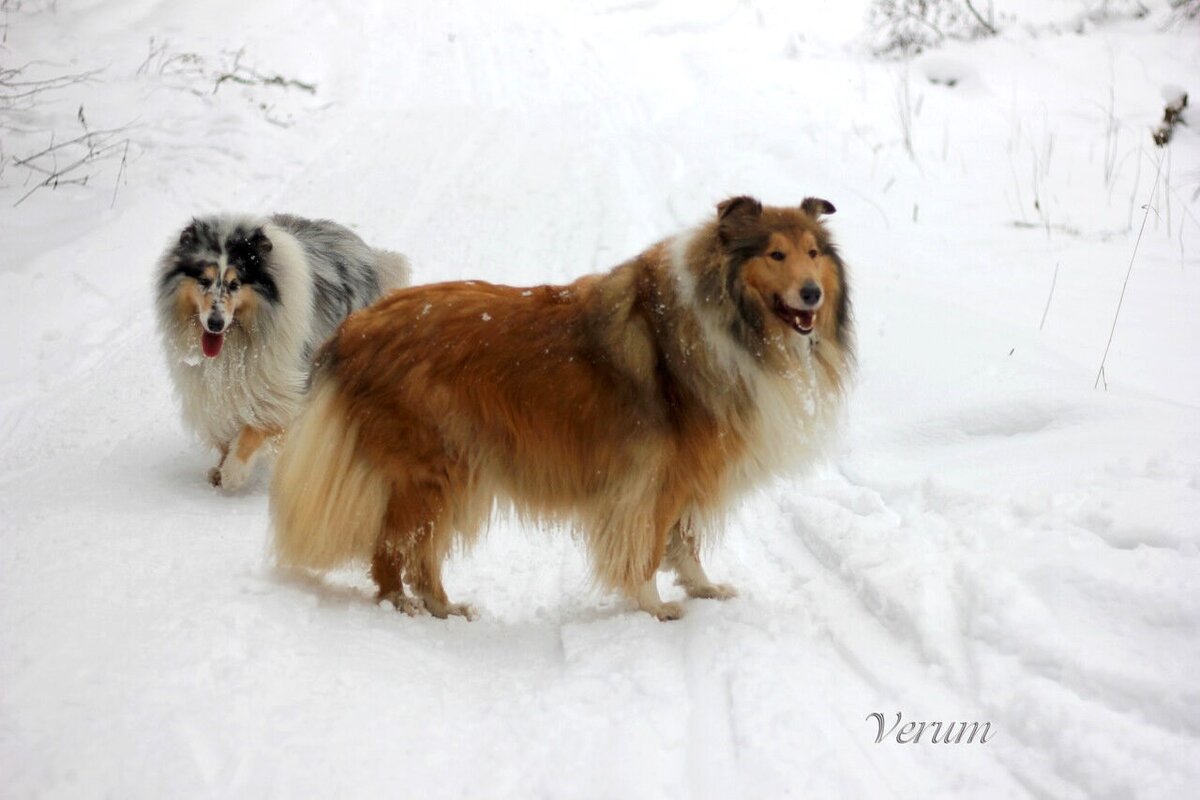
(991, 541)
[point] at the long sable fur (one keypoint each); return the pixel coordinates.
(633, 405)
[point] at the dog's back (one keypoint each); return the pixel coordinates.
(347, 274)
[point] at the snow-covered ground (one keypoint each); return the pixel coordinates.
(995, 541)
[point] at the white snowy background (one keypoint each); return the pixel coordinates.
(995, 540)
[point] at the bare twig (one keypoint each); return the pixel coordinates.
(905, 112)
(87, 149)
(258, 79)
(927, 23)
(121, 173)
(986, 25)
(1132, 259)
(1112, 133)
(1137, 183)
(1102, 234)
(248, 76)
(163, 63)
(1167, 191)
(13, 89)
(90, 139)
(1049, 297)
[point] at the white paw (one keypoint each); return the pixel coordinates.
(712, 591)
(665, 611)
(401, 602)
(443, 610)
(232, 475)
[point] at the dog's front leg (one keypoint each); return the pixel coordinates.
(214, 473)
(649, 600)
(239, 461)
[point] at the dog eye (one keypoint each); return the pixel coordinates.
(234, 286)
(776, 255)
(204, 282)
(813, 254)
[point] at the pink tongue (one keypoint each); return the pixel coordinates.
(211, 343)
(806, 319)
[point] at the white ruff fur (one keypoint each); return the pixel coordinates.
(258, 379)
(795, 414)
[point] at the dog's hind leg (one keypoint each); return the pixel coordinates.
(387, 565)
(422, 523)
(683, 556)
(236, 465)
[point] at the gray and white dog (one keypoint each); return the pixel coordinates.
(243, 303)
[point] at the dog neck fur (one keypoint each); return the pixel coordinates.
(782, 394)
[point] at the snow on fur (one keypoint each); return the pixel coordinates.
(991, 540)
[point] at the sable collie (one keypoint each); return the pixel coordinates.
(242, 304)
(632, 405)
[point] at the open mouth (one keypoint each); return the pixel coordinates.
(211, 343)
(800, 320)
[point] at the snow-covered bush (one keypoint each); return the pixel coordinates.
(1186, 9)
(905, 27)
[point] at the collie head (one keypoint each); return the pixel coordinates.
(218, 278)
(771, 349)
(771, 279)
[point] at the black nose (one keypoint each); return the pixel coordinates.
(810, 293)
(215, 324)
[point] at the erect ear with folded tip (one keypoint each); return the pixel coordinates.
(188, 236)
(743, 205)
(736, 215)
(260, 242)
(815, 207)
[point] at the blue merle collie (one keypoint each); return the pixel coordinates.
(242, 304)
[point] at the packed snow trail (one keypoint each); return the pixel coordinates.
(993, 541)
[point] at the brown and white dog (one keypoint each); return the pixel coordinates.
(632, 405)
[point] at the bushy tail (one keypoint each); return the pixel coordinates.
(394, 270)
(327, 502)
